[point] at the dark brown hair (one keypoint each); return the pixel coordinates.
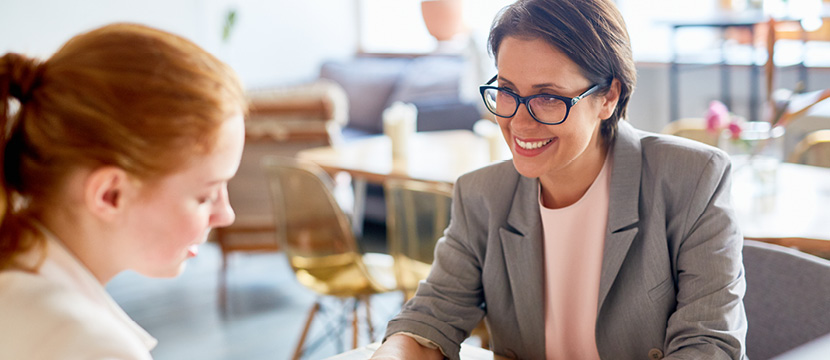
(123, 95)
(591, 33)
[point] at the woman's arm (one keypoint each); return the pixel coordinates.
(399, 347)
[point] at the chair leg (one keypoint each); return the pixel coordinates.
(369, 320)
(298, 352)
(354, 323)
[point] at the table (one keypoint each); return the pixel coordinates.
(816, 349)
(747, 20)
(468, 352)
(434, 156)
(437, 156)
(795, 213)
(722, 22)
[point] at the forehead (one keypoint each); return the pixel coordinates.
(532, 61)
(220, 164)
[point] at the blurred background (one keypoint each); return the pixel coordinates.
(334, 65)
(281, 42)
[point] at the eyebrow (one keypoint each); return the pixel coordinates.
(536, 86)
(217, 181)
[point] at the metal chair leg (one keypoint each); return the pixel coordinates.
(369, 319)
(298, 352)
(355, 333)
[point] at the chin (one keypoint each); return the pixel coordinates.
(166, 272)
(527, 169)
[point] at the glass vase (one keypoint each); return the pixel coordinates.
(756, 152)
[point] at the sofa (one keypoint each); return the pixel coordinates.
(433, 83)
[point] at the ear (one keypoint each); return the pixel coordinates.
(609, 100)
(106, 191)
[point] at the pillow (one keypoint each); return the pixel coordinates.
(436, 77)
(368, 83)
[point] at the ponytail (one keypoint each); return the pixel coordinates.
(19, 77)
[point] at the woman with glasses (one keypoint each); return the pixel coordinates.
(117, 158)
(598, 241)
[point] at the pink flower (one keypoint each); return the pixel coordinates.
(716, 116)
(735, 129)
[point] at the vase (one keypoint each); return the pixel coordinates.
(756, 152)
(443, 18)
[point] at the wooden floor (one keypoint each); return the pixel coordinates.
(266, 312)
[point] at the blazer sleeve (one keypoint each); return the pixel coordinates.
(709, 321)
(449, 303)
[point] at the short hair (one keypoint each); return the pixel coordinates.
(591, 33)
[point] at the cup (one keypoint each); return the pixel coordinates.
(399, 123)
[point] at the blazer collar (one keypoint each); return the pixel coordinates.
(623, 207)
(521, 241)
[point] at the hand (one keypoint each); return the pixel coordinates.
(402, 347)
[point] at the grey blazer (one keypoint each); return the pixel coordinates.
(672, 280)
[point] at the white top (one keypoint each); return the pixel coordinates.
(574, 237)
(63, 312)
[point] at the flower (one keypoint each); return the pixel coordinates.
(735, 129)
(718, 118)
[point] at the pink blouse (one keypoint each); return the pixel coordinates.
(574, 237)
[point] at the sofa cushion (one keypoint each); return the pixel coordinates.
(368, 82)
(429, 78)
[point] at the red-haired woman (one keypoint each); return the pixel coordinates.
(118, 158)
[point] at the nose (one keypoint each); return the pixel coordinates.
(222, 214)
(522, 119)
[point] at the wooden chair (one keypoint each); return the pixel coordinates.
(315, 234)
(281, 121)
(814, 149)
(787, 298)
(692, 128)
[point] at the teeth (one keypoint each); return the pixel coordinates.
(528, 145)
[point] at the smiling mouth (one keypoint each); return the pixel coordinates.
(530, 145)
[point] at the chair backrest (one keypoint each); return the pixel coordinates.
(692, 128)
(814, 149)
(310, 112)
(417, 213)
(313, 230)
(787, 298)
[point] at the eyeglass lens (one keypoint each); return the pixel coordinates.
(544, 109)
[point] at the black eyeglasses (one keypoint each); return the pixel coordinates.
(547, 109)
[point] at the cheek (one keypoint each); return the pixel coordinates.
(176, 232)
(582, 131)
(505, 131)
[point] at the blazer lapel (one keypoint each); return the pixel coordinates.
(623, 208)
(521, 242)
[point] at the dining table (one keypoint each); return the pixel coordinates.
(792, 207)
(789, 206)
(431, 156)
(468, 352)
